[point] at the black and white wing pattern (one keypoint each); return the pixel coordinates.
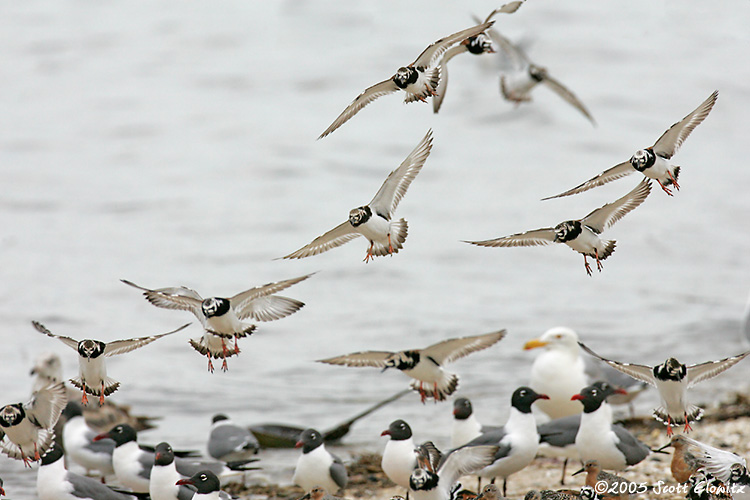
(671, 140)
(432, 54)
(336, 237)
(46, 405)
(606, 216)
(70, 342)
(122, 346)
(639, 372)
(617, 172)
(710, 369)
(394, 188)
(375, 359)
(179, 297)
(260, 304)
(536, 237)
(366, 97)
(453, 349)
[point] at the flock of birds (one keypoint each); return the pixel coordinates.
(577, 417)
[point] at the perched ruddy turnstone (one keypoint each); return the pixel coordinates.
(375, 221)
(92, 370)
(419, 79)
(654, 162)
(222, 317)
(423, 365)
(673, 379)
(581, 235)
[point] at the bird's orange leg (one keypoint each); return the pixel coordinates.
(666, 189)
(586, 263)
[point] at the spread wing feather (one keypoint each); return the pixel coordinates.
(610, 213)
(375, 359)
(366, 97)
(453, 349)
(710, 369)
(122, 346)
(336, 237)
(671, 140)
(543, 236)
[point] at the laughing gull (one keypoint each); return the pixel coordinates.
(133, 464)
(80, 446)
(399, 455)
(517, 440)
(618, 488)
(419, 80)
(375, 221)
(557, 371)
(557, 437)
(28, 427)
(465, 425)
(222, 317)
(162, 484)
(673, 379)
(229, 442)
(54, 482)
(691, 455)
(317, 466)
(436, 476)
(92, 370)
(597, 439)
(423, 365)
(206, 484)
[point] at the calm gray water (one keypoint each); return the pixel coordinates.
(174, 143)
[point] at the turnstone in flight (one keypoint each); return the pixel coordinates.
(581, 235)
(29, 426)
(653, 162)
(673, 379)
(92, 370)
(516, 86)
(374, 220)
(423, 365)
(222, 317)
(419, 79)
(477, 45)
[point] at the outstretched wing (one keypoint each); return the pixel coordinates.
(366, 97)
(260, 304)
(453, 349)
(671, 140)
(639, 372)
(72, 343)
(336, 237)
(431, 54)
(710, 369)
(46, 405)
(466, 460)
(568, 96)
(375, 359)
(394, 188)
(610, 213)
(122, 346)
(618, 171)
(543, 236)
(179, 297)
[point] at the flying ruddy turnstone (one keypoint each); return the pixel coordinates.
(424, 365)
(581, 235)
(419, 79)
(29, 426)
(673, 379)
(222, 317)
(653, 162)
(374, 220)
(92, 370)
(477, 45)
(516, 86)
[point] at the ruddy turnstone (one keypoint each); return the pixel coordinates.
(673, 379)
(92, 370)
(581, 235)
(653, 162)
(419, 79)
(374, 220)
(423, 365)
(222, 317)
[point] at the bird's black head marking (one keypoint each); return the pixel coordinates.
(405, 76)
(462, 409)
(568, 230)
(399, 430)
(11, 415)
(54, 454)
(422, 479)
(537, 73)
(671, 369)
(478, 44)
(309, 440)
(91, 348)
(405, 360)
(359, 215)
(163, 454)
(524, 397)
(215, 306)
(643, 159)
(591, 397)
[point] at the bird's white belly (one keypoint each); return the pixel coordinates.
(517, 85)
(76, 440)
(596, 441)
(314, 469)
(673, 396)
(162, 484)
(464, 431)
(659, 170)
(399, 461)
(127, 467)
(376, 229)
(586, 242)
(93, 371)
(227, 323)
(559, 376)
(50, 485)
(426, 371)
(524, 450)
(24, 435)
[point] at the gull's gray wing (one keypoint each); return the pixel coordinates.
(366, 97)
(338, 472)
(336, 237)
(72, 343)
(610, 213)
(618, 171)
(543, 236)
(179, 297)
(453, 349)
(710, 369)
(633, 450)
(122, 346)
(88, 488)
(261, 305)
(226, 439)
(431, 54)
(394, 188)
(671, 140)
